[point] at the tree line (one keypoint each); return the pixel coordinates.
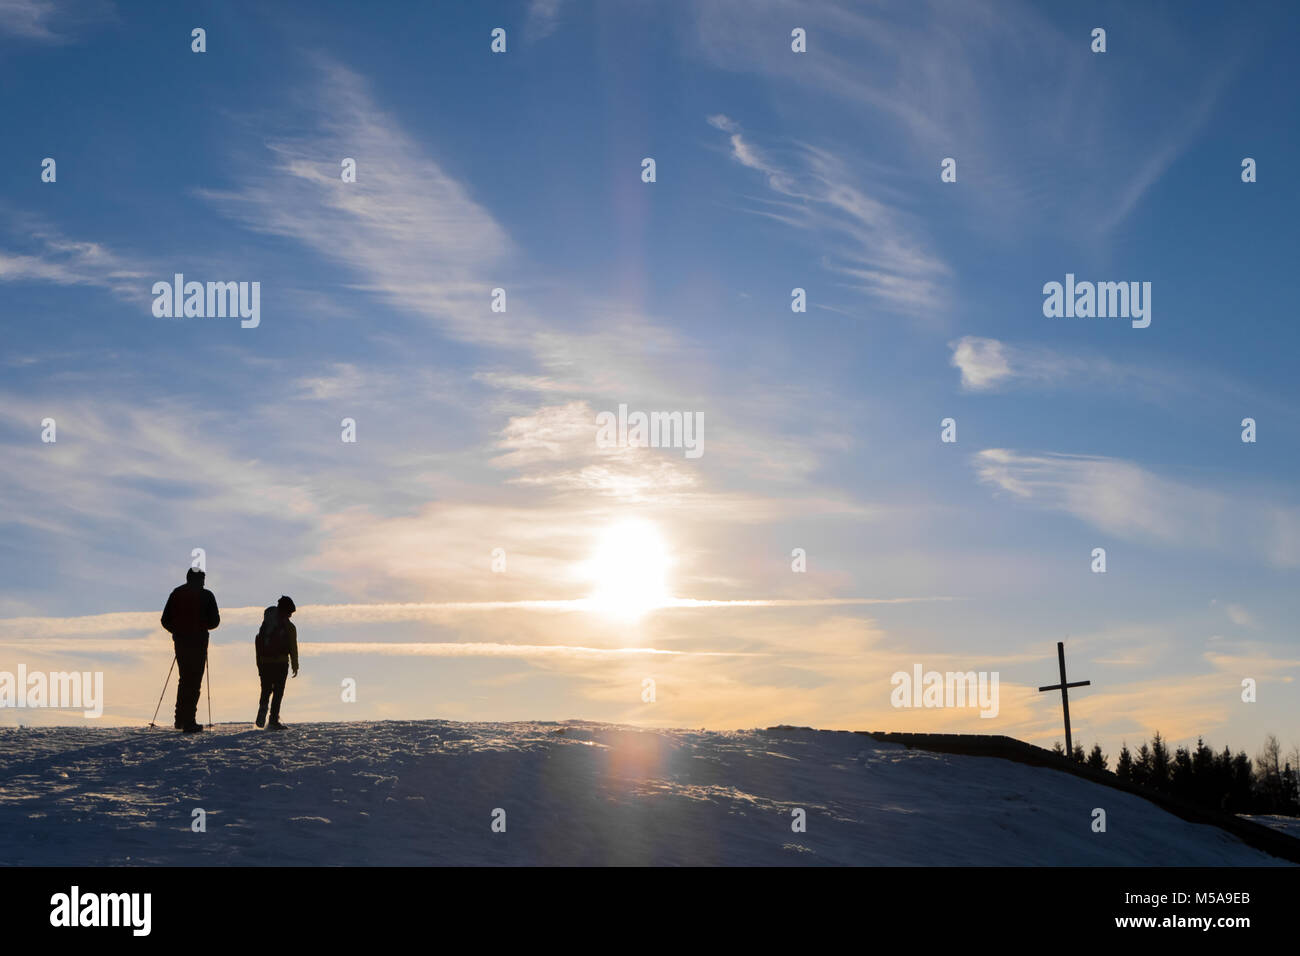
(1223, 781)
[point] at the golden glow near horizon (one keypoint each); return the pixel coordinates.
(630, 571)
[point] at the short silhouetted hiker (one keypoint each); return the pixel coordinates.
(191, 612)
(277, 648)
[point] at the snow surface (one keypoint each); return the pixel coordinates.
(1288, 825)
(424, 792)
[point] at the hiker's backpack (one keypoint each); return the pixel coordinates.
(273, 637)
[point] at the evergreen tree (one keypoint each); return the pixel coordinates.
(1223, 779)
(1241, 796)
(1203, 789)
(1233, 784)
(1202, 759)
(1124, 766)
(1097, 759)
(1180, 774)
(1142, 766)
(1159, 777)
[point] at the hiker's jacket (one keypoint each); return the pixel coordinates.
(270, 621)
(191, 611)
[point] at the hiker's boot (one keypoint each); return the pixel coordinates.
(275, 724)
(261, 718)
(192, 729)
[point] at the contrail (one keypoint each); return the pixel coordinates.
(488, 649)
(145, 646)
(797, 602)
(148, 621)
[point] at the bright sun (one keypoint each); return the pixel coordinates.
(629, 569)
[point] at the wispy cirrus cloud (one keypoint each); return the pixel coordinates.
(47, 21)
(408, 232)
(555, 446)
(988, 365)
(120, 462)
(1130, 502)
(936, 75)
(543, 18)
(126, 470)
(1177, 136)
(29, 19)
(878, 248)
(991, 365)
(54, 258)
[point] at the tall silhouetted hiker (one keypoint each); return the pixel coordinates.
(190, 613)
(277, 647)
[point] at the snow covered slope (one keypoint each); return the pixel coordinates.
(575, 793)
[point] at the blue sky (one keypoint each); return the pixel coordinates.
(775, 170)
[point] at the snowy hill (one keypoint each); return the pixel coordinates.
(425, 792)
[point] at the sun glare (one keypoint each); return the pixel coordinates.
(629, 569)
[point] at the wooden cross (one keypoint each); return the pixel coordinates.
(1063, 687)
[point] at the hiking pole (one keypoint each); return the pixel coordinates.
(208, 671)
(163, 694)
